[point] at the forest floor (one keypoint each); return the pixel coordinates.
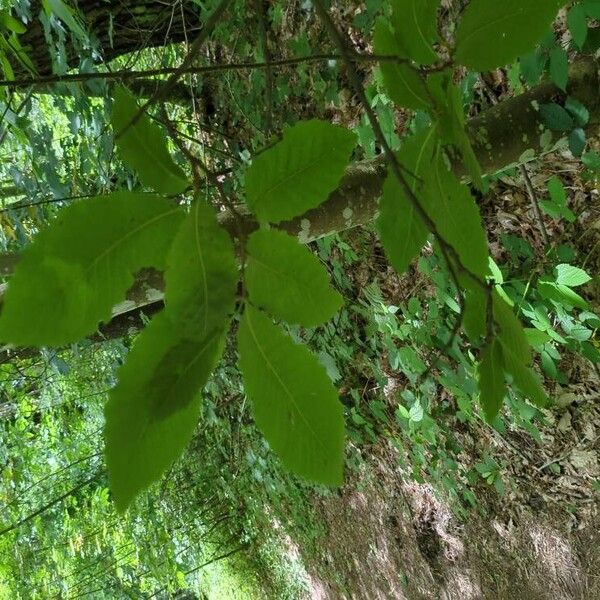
(390, 539)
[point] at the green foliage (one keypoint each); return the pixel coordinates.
(295, 404)
(141, 441)
(559, 68)
(577, 22)
(143, 146)
(400, 228)
(299, 172)
(415, 28)
(404, 84)
(153, 410)
(491, 379)
(66, 15)
(81, 266)
(288, 281)
(456, 216)
(492, 34)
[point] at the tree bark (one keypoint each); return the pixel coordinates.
(115, 27)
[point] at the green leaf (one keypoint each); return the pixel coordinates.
(559, 68)
(511, 332)
(202, 274)
(561, 294)
(523, 377)
(65, 14)
(153, 409)
(556, 117)
(591, 160)
(571, 276)
(288, 280)
(493, 34)
(77, 269)
(578, 111)
(577, 142)
(533, 65)
(403, 83)
(516, 352)
(536, 337)
(451, 207)
(8, 22)
(299, 172)
(295, 404)
(143, 146)
(577, 22)
(475, 310)
(557, 191)
(491, 380)
(592, 8)
(142, 439)
(401, 231)
(449, 113)
(415, 28)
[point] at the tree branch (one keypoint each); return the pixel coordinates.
(510, 132)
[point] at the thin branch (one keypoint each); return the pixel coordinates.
(535, 203)
(126, 74)
(391, 158)
(264, 38)
(50, 504)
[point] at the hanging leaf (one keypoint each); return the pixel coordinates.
(401, 231)
(202, 274)
(524, 378)
(450, 205)
(493, 34)
(143, 146)
(450, 118)
(295, 404)
(142, 439)
(153, 409)
(577, 22)
(415, 28)
(299, 172)
(66, 15)
(491, 380)
(516, 352)
(559, 68)
(77, 269)
(532, 66)
(287, 280)
(403, 83)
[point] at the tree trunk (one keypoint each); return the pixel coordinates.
(116, 28)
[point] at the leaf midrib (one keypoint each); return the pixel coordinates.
(127, 236)
(282, 383)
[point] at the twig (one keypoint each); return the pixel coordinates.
(262, 26)
(534, 202)
(446, 248)
(125, 74)
(163, 92)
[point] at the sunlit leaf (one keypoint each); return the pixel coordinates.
(143, 146)
(295, 404)
(299, 172)
(77, 269)
(287, 280)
